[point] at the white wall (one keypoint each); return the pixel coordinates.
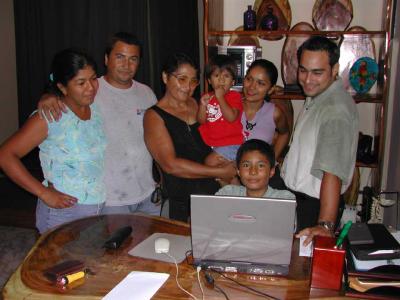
(394, 91)
(366, 13)
(8, 73)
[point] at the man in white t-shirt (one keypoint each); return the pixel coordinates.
(122, 102)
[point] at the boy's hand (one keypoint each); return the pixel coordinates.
(205, 99)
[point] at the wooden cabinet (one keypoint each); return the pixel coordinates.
(223, 18)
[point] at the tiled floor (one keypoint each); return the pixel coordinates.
(15, 243)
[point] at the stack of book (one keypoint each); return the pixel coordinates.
(372, 263)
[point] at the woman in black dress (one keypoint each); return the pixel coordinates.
(172, 137)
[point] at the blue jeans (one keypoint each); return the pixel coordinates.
(47, 217)
(146, 206)
(229, 152)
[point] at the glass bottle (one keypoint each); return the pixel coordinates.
(249, 19)
(269, 21)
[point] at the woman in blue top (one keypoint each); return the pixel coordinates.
(71, 151)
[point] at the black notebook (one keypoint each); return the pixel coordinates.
(384, 246)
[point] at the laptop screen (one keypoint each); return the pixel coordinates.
(242, 229)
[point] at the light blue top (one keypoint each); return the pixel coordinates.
(72, 156)
(240, 190)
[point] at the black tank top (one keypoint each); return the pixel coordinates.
(189, 145)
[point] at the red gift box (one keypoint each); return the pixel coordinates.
(327, 264)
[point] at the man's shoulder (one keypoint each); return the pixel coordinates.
(339, 104)
(139, 85)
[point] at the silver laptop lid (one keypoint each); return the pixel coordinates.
(242, 229)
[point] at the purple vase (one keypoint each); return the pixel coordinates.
(249, 19)
(269, 21)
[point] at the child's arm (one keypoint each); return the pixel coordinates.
(18, 145)
(229, 113)
(202, 111)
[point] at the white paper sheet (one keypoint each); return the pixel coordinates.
(137, 286)
(305, 250)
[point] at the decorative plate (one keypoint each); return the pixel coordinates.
(363, 74)
(289, 53)
(352, 48)
(332, 15)
(243, 40)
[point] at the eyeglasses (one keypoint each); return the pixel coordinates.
(183, 80)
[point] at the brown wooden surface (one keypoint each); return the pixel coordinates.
(83, 239)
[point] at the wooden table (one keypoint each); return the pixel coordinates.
(83, 239)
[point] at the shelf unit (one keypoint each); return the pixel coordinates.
(214, 33)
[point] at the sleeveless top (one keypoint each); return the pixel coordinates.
(72, 156)
(188, 145)
(262, 126)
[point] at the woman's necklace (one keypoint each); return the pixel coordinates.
(250, 126)
(184, 116)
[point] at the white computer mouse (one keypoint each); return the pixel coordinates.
(161, 245)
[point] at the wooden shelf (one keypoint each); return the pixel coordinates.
(294, 32)
(363, 165)
(366, 98)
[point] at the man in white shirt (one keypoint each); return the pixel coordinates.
(122, 102)
(320, 163)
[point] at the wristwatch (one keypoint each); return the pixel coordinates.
(327, 225)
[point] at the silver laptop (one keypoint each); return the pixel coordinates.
(242, 234)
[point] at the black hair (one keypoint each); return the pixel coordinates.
(174, 61)
(123, 37)
(321, 43)
(256, 145)
(221, 62)
(269, 68)
(65, 65)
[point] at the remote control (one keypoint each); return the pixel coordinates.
(117, 238)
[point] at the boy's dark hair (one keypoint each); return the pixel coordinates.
(124, 37)
(321, 43)
(222, 62)
(256, 145)
(269, 68)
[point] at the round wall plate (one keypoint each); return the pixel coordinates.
(363, 74)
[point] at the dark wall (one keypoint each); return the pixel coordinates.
(44, 27)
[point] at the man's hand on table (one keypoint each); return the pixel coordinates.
(310, 232)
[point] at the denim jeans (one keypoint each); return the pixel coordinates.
(47, 217)
(146, 206)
